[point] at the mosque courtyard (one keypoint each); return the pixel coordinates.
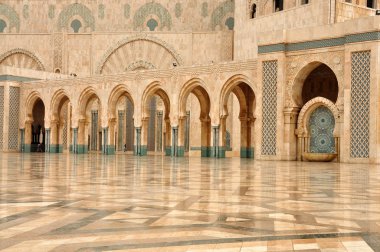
(62, 202)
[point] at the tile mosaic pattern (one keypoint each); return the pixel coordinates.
(14, 111)
(62, 202)
(269, 127)
(149, 9)
(219, 15)
(1, 117)
(321, 128)
(360, 104)
(73, 10)
(12, 16)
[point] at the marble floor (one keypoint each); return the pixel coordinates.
(61, 202)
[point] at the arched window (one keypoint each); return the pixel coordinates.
(152, 24)
(76, 25)
(3, 24)
(304, 1)
(278, 5)
(253, 12)
(371, 3)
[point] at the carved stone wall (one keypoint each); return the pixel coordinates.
(299, 64)
(14, 111)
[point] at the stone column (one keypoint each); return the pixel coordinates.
(81, 145)
(47, 141)
(215, 142)
(28, 136)
(111, 146)
(75, 141)
(144, 137)
(54, 137)
(205, 137)
(222, 137)
(290, 138)
(159, 131)
(168, 134)
(246, 150)
(137, 146)
(180, 132)
(22, 140)
(175, 150)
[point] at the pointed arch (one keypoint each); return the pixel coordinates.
(21, 58)
(139, 38)
(85, 97)
(59, 98)
(303, 74)
(307, 110)
(199, 89)
(229, 86)
(32, 98)
(116, 93)
(155, 88)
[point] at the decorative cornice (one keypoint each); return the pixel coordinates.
(145, 75)
(315, 44)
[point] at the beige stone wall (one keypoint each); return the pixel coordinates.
(346, 11)
(84, 54)
(114, 15)
(247, 30)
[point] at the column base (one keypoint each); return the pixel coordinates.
(82, 149)
(218, 152)
(205, 151)
(180, 151)
(27, 148)
(110, 150)
(56, 148)
(142, 152)
(246, 152)
(168, 151)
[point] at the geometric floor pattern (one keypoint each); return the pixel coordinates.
(62, 202)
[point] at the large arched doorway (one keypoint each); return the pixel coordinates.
(61, 133)
(89, 125)
(194, 131)
(156, 128)
(35, 127)
(238, 104)
(120, 121)
(316, 93)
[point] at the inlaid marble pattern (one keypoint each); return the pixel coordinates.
(62, 202)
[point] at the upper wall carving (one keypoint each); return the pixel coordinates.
(76, 10)
(11, 16)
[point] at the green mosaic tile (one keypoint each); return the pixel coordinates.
(142, 14)
(73, 10)
(11, 14)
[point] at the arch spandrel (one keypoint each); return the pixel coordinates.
(299, 67)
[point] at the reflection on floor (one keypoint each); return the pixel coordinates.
(103, 203)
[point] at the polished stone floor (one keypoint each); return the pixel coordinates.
(61, 202)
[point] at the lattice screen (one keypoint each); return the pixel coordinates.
(1, 116)
(14, 110)
(360, 104)
(269, 128)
